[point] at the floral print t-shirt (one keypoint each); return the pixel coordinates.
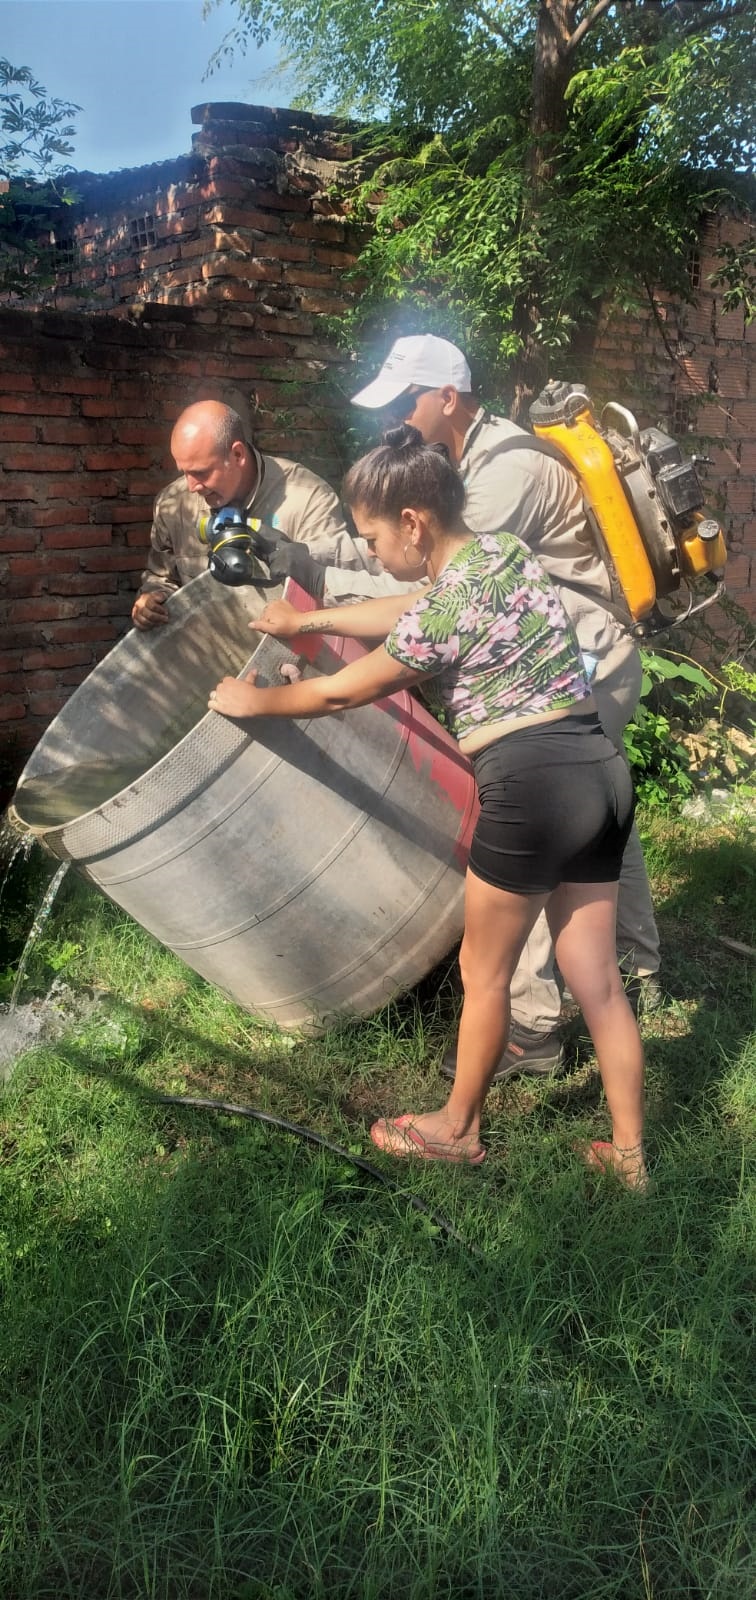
(493, 638)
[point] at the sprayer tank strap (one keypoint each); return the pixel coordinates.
(521, 440)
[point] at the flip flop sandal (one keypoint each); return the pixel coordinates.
(598, 1156)
(411, 1143)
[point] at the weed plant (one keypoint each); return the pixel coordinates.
(237, 1369)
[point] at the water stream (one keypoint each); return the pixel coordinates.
(22, 1026)
(40, 919)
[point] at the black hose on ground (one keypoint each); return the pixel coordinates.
(230, 1108)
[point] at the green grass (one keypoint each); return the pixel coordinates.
(233, 1367)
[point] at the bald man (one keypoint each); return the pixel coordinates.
(219, 466)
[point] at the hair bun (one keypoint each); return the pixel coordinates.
(402, 438)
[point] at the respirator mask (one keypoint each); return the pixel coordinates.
(237, 544)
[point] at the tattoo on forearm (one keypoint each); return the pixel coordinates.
(316, 627)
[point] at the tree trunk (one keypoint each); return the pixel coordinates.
(552, 70)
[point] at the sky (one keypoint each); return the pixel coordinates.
(135, 67)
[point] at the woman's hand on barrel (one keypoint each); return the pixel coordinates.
(280, 619)
(235, 697)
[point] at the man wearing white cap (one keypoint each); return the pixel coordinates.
(426, 381)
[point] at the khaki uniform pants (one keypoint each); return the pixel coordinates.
(536, 986)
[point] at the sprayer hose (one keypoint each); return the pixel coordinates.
(230, 1108)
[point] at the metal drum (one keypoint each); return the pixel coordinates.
(309, 868)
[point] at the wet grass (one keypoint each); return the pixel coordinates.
(236, 1367)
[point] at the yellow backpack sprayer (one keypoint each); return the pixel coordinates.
(644, 504)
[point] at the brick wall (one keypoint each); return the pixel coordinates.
(206, 276)
(245, 221)
(86, 410)
(215, 275)
(692, 369)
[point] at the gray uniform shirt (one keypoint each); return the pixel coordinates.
(289, 498)
(541, 502)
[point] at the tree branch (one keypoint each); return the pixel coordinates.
(701, 17)
(482, 15)
(587, 22)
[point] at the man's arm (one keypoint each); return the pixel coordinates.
(161, 575)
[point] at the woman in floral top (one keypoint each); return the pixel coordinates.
(494, 651)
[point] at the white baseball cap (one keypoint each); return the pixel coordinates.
(421, 358)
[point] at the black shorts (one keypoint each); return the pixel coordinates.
(556, 806)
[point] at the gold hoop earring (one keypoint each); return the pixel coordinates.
(422, 559)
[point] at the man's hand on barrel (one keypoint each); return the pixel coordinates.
(235, 697)
(149, 610)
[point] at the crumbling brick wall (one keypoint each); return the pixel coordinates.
(208, 276)
(245, 221)
(215, 275)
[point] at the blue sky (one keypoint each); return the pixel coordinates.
(135, 67)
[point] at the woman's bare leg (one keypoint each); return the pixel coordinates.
(497, 924)
(582, 921)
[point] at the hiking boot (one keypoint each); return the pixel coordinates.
(644, 993)
(527, 1054)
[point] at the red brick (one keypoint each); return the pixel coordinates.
(140, 433)
(76, 538)
(12, 711)
(41, 459)
(334, 258)
(178, 276)
(247, 346)
(15, 540)
(189, 249)
(71, 383)
(132, 513)
(330, 304)
(25, 588)
(112, 605)
(44, 610)
(46, 705)
(19, 488)
(10, 659)
(53, 516)
(23, 566)
(112, 561)
(17, 380)
(301, 278)
(101, 408)
(233, 368)
(241, 217)
(76, 431)
(115, 460)
(12, 683)
(234, 291)
(248, 270)
(79, 632)
(326, 232)
(63, 488)
(80, 583)
(152, 485)
(288, 325)
(282, 202)
(59, 406)
(17, 432)
(75, 675)
(76, 656)
(285, 250)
